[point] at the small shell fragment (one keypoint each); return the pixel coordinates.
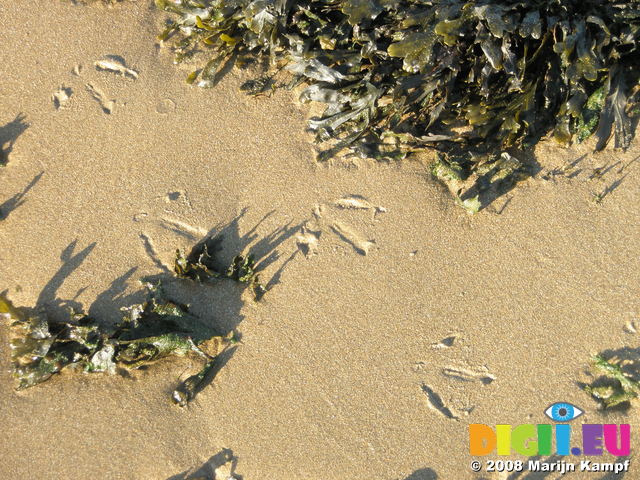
(116, 66)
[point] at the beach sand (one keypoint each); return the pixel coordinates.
(370, 309)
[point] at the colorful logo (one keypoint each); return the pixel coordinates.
(531, 440)
(563, 412)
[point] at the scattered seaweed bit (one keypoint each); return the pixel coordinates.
(187, 390)
(598, 197)
(202, 265)
(148, 332)
(463, 77)
(489, 178)
(618, 386)
(115, 64)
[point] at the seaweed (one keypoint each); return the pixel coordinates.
(203, 265)
(489, 177)
(43, 344)
(158, 328)
(465, 78)
(616, 388)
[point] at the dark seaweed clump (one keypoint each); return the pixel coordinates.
(42, 346)
(466, 78)
(158, 328)
(201, 265)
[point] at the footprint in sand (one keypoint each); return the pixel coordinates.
(61, 97)
(182, 228)
(165, 106)
(446, 342)
(111, 64)
(359, 202)
(419, 367)
(307, 241)
(464, 379)
(179, 196)
(435, 403)
(480, 374)
(140, 216)
(631, 327)
(324, 221)
(100, 97)
(151, 252)
(346, 233)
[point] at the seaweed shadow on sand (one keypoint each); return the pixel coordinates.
(216, 256)
(48, 298)
(500, 179)
(222, 465)
(210, 273)
(9, 133)
(173, 318)
(18, 199)
(423, 474)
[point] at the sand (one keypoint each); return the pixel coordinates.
(331, 378)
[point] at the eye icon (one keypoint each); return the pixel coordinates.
(563, 412)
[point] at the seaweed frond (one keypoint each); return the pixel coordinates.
(474, 188)
(463, 77)
(148, 332)
(202, 264)
(618, 387)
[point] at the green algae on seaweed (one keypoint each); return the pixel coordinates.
(459, 76)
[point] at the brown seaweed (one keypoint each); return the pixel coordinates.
(203, 265)
(158, 328)
(463, 77)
